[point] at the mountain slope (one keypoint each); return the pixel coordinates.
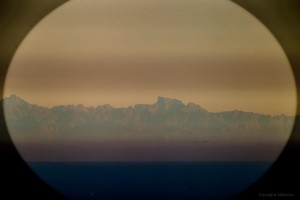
(167, 130)
(166, 120)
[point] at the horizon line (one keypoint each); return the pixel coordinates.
(132, 106)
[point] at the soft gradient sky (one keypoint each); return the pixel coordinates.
(210, 52)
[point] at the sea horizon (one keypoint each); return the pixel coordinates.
(149, 180)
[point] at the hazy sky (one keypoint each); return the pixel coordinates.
(210, 52)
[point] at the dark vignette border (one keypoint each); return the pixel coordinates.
(18, 17)
(282, 18)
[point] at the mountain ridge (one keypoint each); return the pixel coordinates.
(164, 130)
(161, 102)
(166, 120)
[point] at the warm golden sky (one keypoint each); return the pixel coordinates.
(210, 52)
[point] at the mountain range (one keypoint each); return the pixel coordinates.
(167, 120)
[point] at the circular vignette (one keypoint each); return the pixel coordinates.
(293, 63)
(281, 19)
(17, 20)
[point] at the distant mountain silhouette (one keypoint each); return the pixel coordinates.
(166, 120)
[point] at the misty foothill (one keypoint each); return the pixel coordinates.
(165, 130)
